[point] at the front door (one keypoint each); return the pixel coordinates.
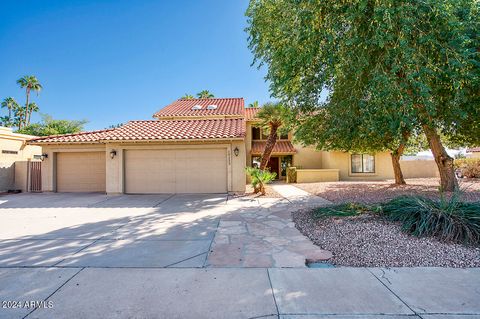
(273, 166)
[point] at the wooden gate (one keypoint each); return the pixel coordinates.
(35, 170)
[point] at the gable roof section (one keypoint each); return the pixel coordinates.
(251, 113)
(229, 107)
(155, 130)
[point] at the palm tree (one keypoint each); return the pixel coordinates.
(30, 83)
(19, 116)
(187, 97)
(32, 107)
(10, 104)
(272, 117)
(254, 104)
(205, 94)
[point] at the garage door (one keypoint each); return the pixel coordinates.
(176, 171)
(81, 172)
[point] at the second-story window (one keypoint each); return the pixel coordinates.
(256, 133)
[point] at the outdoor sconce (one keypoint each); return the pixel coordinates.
(43, 156)
(113, 153)
(236, 151)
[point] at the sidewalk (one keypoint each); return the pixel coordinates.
(245, 293)
(299, 196)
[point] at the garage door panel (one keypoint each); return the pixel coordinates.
(176, 171)
(81, 172)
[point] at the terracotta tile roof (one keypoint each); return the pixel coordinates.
(281, 147)
(179, 130)
(183, 107)
(157, 130)
(82, 137)
(473, 150)
(251, 113)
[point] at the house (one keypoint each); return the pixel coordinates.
(14, 156)
(192, 146)
(474, 152)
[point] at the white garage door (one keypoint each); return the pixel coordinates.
(176, 171)
(81, 172)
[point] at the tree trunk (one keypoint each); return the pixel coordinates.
(448, 181)
(272, 139)
(26, 106)
(397, 170)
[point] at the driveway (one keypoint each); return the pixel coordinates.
(197, 256)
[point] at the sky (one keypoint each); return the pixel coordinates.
(113, 61)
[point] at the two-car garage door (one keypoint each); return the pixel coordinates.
(176, 171)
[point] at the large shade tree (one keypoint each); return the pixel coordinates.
(424, 54)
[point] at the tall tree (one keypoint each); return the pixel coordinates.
(10, 104)
(19, 115)
(32, 107)
(49, 126)
(205, 94)
(29, 83)
(425, 52)
(272, 116)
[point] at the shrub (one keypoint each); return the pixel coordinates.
(447, 218)
(342, 210)
(291, 174)
(468, 167)
(260, 178)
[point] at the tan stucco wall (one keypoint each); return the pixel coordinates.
(419, 169)
(475, 155)
(317, 175)
(10, 141)
(115, 167)
(307, 157)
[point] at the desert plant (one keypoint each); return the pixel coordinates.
(468, 167)
(259, 178)
(448, 218)
(291, 174)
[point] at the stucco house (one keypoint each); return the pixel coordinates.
(474, 152)
(192, 146)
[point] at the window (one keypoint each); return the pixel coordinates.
(256, 134)
(196, 107)
(283, 136)
(212, 107)
(363, 163)
(256, 161)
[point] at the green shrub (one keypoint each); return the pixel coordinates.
(447, 218)
(468, 167)
(343, 210)
(259, 178)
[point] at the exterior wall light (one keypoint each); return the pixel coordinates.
(43, 156)
(236, 151)
(113, 153)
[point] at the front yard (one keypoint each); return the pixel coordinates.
(370, 239)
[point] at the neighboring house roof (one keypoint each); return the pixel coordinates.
(281, 147)
(473, 150)
(82, 137)
(197, 129)
(225, 107)
(251, 113)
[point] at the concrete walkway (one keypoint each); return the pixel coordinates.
(299, 196)
(242, 293)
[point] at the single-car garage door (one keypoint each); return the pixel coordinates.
(176, 171)
(81, 172)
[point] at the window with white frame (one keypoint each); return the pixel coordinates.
(363, 163)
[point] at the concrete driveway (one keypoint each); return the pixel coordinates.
(196, 256)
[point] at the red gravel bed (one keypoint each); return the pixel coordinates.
(375, 192)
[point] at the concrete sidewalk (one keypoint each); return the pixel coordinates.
(243, 293)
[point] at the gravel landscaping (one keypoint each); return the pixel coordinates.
(371, 241)
(379, 191)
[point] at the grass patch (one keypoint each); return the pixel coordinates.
(447, 218)
(342, 210)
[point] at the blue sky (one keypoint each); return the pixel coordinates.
(114, 61)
